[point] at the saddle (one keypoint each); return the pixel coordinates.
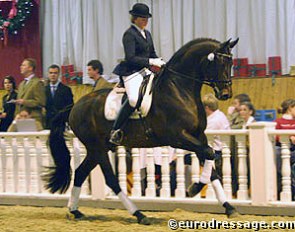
(114, 100)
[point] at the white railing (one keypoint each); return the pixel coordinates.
(24, 154)
(23, 158)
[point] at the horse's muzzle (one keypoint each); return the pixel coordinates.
(223, 94)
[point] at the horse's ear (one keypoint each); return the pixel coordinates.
(225, 44)
(233, 43)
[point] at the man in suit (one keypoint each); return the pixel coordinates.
(31, 96)
(94, 71)
(58, 95)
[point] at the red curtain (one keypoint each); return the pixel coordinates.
(25, 44)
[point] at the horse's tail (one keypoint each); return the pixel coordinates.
(58, 177)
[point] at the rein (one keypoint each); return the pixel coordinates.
(194, 78)
(197, 77)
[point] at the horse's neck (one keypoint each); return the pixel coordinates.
(181, 88)
(185, 83)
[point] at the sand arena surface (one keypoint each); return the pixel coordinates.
(25, 218)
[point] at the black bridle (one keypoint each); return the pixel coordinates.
(207, 81)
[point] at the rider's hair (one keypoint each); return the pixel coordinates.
(96, 65)
(210, 101)
(133, 18)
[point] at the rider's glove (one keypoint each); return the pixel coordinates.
(159, 62)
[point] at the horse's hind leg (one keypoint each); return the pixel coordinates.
(112, 182)
(81, 174)
(230, 211)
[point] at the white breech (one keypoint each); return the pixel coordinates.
(74, 198)
(132, 84)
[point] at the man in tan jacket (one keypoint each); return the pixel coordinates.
(31, 94)
(94, 71)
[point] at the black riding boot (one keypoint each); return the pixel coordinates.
(117, 133)
(121, 82)
(120, 87)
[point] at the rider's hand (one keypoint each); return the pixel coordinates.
(157, 62)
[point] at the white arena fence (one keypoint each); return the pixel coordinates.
(24, 155)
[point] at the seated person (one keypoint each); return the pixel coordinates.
(236, 121)
(23, 114)
(247, 112)
(286, 122)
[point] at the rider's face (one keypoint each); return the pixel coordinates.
(141, 22)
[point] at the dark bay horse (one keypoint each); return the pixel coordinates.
(177, 118)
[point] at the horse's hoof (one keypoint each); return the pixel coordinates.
(232, 213)
(77, 214)
(194, 189)
(144, 221)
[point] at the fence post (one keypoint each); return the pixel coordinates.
(262, 163)
(286, 194)
(226, 166)
(242, 168)
(180, 177)
(151, 187)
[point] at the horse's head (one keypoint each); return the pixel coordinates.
(216, 69)
(205, 61)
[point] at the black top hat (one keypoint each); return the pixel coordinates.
(140, 10)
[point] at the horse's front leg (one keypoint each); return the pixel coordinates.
(206, 154)
(200, 146)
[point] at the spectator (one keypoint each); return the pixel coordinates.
(23, 114)
(31, 95)
(236, 122)
(7, 113)
(94, 71)
(247, 111)
(58, 95)
(286, 122)
(216, 120)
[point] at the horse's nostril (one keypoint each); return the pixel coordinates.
(224, 97)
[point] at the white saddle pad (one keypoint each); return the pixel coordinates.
(113, 103)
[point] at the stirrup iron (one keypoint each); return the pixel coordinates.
(116, 137)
